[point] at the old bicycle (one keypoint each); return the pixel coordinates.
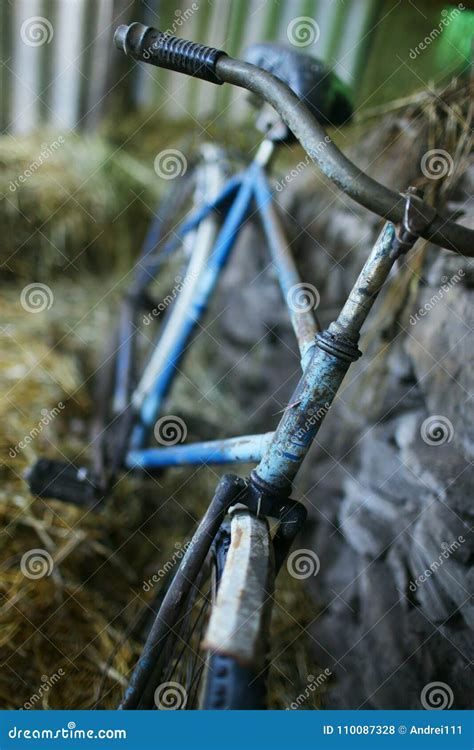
(227, 664)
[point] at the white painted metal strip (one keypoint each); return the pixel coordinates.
(101, 54)
(219, 33)
(351, 38)
(325, 17)
(32, 32)
(240, 616)
(239, 108)
(66, 84)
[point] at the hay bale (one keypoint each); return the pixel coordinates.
(71, 202)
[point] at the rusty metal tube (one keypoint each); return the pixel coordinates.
(332, 162)
(335, 349)
(166, 51)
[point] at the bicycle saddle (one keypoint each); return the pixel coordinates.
(321, 90)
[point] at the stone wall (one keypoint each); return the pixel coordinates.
(389, 482)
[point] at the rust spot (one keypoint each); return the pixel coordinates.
(237, 538)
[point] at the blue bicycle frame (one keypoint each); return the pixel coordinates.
(247, 193)
(325, 356)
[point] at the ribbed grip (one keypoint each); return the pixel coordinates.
(159, 48)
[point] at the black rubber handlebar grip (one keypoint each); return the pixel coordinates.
(160, 48)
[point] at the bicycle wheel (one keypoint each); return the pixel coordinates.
(177, 675)
(216, 656)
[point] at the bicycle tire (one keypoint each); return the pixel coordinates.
(233, 687)
(190, 673)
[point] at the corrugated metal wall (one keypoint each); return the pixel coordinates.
(59, 66)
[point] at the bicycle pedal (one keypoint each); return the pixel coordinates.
(63, 481)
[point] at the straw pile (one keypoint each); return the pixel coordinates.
(71, 202)
(70, 638)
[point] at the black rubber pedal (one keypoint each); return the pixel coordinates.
(63, 481)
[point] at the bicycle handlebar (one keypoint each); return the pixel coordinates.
(159, 48)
